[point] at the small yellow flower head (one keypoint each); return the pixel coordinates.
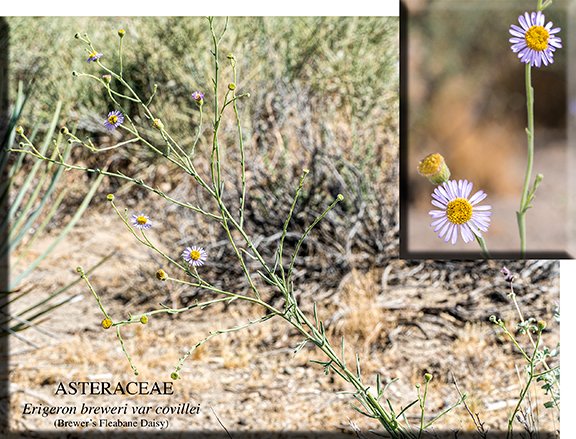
(161, 275)
(144, 319)
(79, 269)
(428, 377)
(157, 123)
(434, 168)
(541, 325)
(340, 197)
(230, 56)
(231, 86)
(106, 323)
(110, 197)
(174, 375)
(121, 33)
(19, 130)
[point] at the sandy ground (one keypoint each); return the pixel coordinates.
(404, 319)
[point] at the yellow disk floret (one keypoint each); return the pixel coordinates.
(537, 38)
(459, 211)
(106, 323)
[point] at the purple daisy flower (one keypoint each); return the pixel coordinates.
(141, 221)
(534, 42)
(195, 256)
(198, 96)
(93, 56)
(459, 213)
(114, 120)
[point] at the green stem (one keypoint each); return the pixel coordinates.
(482, 244)
(525, 200)
(525, 389)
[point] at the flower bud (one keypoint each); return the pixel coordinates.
(428, 377)
(110, 197)
(19, 130)
(161, 275)
(74, 73)
(106, 323)
(157, 123)
(198, 96)
(231, 86)
(121, 33)
(493, 319)
(79, 269)
(340, 197)
(230, 56)
(76, 35)
(541, 325)
(174, 375)
(434, 168)
(107, 78)
(64, 130)
(144, 319)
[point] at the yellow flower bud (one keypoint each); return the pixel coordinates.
(434, 168)
(161, 275)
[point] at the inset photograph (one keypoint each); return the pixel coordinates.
(486, 164)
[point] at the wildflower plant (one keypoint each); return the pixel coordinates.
(276, 273)
(537, 357)
(535, 43)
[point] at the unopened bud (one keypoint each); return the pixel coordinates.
(161, 275)
(434, 168)
(157, 123)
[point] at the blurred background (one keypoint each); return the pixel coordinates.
(466, 100)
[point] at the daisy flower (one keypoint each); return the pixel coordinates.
(195, 256)
(114, 120)
(141, 221)
(460, 213)
(93, 56)
(534, 42)
(198, 96)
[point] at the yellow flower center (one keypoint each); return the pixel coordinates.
(195, 255)
(537, 38)
(459, 211)
(113, 119)
(92, 54)
(141, 219)
(431, 164)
